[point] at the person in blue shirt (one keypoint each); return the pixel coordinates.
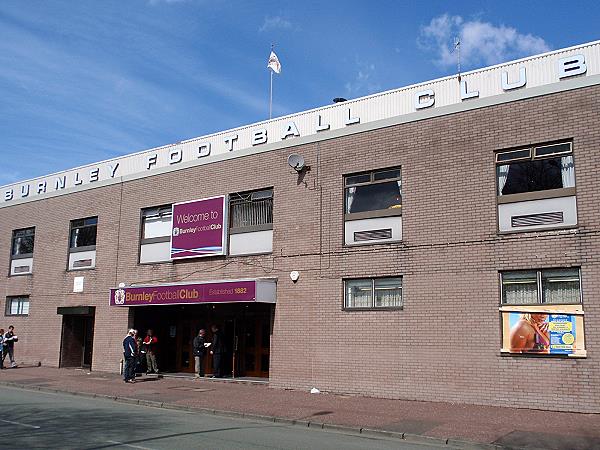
(129, 354)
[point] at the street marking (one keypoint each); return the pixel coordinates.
(129, 445)
(35, 427)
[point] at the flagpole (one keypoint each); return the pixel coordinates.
(271, 96)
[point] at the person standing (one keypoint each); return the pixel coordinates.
(129, 357)
(1, 348)
(217, 352)
(9, 346)
(199, 345)
(150, 342)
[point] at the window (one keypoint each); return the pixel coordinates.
(155, 242)
(22, 243)
(535, 169)
(83, 233)
(17, 306)
(368, 192)
(156, 224)
(82, 244)
(373, 293)
(251, 211)
(549, 286)
(21, 251)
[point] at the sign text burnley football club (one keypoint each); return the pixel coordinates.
(199, 228)
(419, 100)
(179, 294)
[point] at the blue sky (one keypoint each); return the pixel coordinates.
(86, 80)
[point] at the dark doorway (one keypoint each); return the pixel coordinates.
(77, 337)
(246, 330)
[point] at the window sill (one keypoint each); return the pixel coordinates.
(390, 212)
(538, 230)
(16, 315)
(87, 248)
(22, 256)
(537, 195)
(507, 354)
(154, 263)
(155, 240)
(379, 308)
(80, 269)
(252, 229)
(367, 243)
(10, 275)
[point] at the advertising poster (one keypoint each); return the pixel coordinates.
(542, 332)
(199, 228)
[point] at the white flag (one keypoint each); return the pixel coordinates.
(274, 63)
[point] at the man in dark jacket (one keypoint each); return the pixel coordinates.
(218, 350)
(129, 353)
(9, 346)
(200, 345)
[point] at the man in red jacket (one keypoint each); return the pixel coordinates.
(150, 343)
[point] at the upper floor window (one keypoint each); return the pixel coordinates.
(379, 190)
(82, 243)
(251, 211)
(530, 287)
(535, 169)
(22, 243)
(157, 223)
(83, 232)
(155, 242)
(21, 252)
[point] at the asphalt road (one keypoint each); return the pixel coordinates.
(31, 419)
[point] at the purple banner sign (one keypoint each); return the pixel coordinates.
(199, 228)
(221, 292)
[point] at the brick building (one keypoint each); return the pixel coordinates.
(445, 238)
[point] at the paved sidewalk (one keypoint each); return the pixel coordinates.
(440, 422)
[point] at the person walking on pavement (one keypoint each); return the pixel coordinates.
(129, 357)
(199, 345)
(9, 346)
(150, 342)
(218, 349)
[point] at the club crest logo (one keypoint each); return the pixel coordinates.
(175, 231)
(119, 297)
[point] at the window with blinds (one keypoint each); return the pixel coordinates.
(251, 211)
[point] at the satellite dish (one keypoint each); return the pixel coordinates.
(296, 162)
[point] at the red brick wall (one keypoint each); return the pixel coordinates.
(444, 345)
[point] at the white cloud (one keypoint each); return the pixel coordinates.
(363, 82)
(275, 23)
(481, 42)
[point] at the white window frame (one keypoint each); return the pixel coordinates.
(373, 307)
(21, 301)
(539, 286)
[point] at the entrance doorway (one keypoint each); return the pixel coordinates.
(77, 339)
(246, 329)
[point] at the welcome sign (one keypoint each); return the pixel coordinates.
(199, 228)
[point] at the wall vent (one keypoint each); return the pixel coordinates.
(82, 263)
(372, 235)
(529, 220)
(21, 269)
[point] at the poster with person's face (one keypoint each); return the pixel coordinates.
(542, 333)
